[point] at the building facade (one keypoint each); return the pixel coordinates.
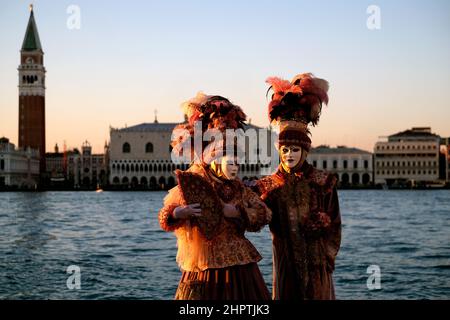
(18, 168)
(140, 157)
(353, 167)
(87, 170)
(54, 162)
(32, 92)
(56, 169)
(408, 157)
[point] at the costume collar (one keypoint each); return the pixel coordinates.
(300, 170)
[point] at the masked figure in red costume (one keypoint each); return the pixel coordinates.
(306, 222)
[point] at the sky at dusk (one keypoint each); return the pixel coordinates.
(130, 58)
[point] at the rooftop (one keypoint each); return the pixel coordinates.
(338, 150)
(153, 126)
(414, 132)
(31, 41)
(166, 127)
(4, 140)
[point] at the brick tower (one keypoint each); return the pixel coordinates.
(32, 92)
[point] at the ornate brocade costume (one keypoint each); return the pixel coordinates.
(228, 256)
(304, 248)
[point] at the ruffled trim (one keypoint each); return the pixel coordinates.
(166, 220)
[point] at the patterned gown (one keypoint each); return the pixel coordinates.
(306, 231)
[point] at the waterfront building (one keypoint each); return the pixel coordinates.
(54, 162)
(18, 167)
(85, 169)
(140, 157)
(353, 167)
(408, 157)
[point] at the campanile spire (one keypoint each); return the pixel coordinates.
(32, 91)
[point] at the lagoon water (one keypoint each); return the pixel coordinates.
(115, 240)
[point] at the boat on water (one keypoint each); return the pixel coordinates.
(411, 185)
(435, 185)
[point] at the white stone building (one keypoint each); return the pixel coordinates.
(140, 156)
(352, 166)
(18, 168)
(411, 156)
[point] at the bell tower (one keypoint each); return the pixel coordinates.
(32, 92)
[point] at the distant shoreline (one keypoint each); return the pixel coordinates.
(447, 187)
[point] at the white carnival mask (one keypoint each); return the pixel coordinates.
(291, 155)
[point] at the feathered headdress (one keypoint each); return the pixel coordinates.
(301, 99)
(215, 112)
(296, 104)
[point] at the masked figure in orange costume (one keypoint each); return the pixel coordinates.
(224, 265)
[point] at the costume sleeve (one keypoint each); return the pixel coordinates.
(332, 237)
(171, 201)
(260, 188)
(254, 211)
